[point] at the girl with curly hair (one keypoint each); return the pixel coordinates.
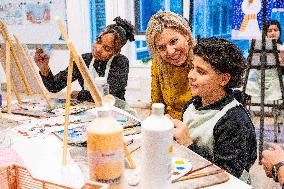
(104, 61)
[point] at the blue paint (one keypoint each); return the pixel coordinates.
(180, 168)
(121, 120)
(74, 133)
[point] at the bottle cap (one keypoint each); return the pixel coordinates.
(158, 109)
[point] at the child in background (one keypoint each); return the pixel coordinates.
(215, 125)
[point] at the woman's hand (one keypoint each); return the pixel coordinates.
(181, 133)
(42, 60)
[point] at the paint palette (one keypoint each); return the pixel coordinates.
(76, 135)
(180, 167)
(73, 110)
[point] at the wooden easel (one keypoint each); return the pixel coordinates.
(12, 55)
(29, 61)
(91, 86)
(262, 66)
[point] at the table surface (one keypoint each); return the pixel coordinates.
(44, 153)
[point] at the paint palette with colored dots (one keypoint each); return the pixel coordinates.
(180, 167)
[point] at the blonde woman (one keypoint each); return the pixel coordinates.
(170, 42)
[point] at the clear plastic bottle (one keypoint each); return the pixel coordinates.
(157, 141)
(105, 149)
(103, 87)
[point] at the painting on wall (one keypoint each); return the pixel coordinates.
(33, 21)
(38, 13)
(247, 18)
(278, 6)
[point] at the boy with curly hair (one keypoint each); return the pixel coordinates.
(215, 125)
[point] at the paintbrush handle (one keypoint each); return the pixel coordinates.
(128, 157)
(135, 149)
(199, 175)
(200, 168)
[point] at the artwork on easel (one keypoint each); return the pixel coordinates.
(20, 74)
(16, 77)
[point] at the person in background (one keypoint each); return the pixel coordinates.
(170, 42)
(272, 83)
(274, 32)
(104, 61)
(215, 125)
(273, 163)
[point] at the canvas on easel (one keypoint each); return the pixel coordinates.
(20, 87)
(20, 73)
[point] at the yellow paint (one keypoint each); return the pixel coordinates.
(179, 162)
(170, 149)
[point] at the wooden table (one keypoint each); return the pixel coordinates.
(78, 155)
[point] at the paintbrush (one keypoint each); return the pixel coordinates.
(137, 148)
(195, 170)
(200, 168)
(131, 125)
(205, 174)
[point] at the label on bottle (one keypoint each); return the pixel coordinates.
(106, 167)
(106, 157)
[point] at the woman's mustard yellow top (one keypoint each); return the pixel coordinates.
(170, 86)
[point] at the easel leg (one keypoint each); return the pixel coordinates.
(8, 77)
(67, 110)
(128, 157)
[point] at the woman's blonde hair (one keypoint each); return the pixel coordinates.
(162, 20)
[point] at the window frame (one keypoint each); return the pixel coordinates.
(137, 13)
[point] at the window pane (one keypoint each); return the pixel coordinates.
(98, 18)
(144, 10)
(141, 50)
(214, 18)
(176, 6)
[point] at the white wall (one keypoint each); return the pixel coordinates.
(79, 33)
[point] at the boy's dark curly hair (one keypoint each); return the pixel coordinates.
(224, 57)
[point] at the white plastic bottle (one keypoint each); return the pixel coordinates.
(105, 150)
(157, 141)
